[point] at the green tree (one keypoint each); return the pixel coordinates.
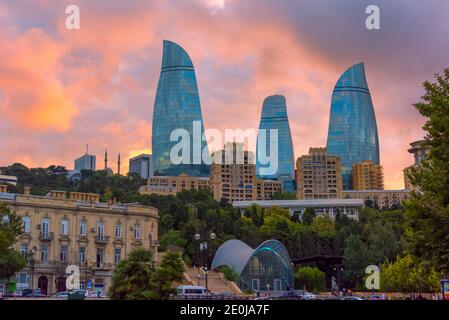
(427, 211)
(132, 277)
(229, 273)
(356, 259)
(172, 237)
(408, 274)
(11, 261)
(311, 278)
(170, 271)
(308, 216)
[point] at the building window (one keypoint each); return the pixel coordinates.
(45, 228)
(26, 224)
(44, 253)
(118, 231)
(23, 278)
(63, 253)
(64, 227)
(117, 255)
(82, 255)
(100, 230)
(100, 257)
(137, 231)
(83, 228)
(24, 249)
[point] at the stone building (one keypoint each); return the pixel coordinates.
(62, 229)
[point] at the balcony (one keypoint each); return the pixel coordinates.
(46, 236)
(101, 239)
(154, 243)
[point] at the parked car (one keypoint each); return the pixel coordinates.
(36, 293)
(60, 295)
(306, 295)
(1, 295)
(76, 295)
(16, 293)
(352, 298)
(290, 295)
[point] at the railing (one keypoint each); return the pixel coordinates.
(101, 239)
(45, 236)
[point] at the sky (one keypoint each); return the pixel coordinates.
(61, 89)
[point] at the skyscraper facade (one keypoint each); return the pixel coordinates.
(177, 106)
(86, 162)
(274, 116)
(142, 165)
(352, 131)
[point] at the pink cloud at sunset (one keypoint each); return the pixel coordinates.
(62, 89)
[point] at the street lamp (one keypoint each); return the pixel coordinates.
(32, 262)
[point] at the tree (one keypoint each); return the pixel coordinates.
(132, 277)
(427, 212)
(311, 278)
(308, 216)
(171, 270)
(229, 273)
(11, 260)
(172, 237)
(408, 274)
(356, 259)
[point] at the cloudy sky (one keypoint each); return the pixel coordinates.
(62, 89)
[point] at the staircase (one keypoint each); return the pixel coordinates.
(216, 282)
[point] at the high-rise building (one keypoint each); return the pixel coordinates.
(274, 116)
(142, 165)
(420, 151)
(86, 162)
(177, 106)
(233, 176)
(319, 175)
(367, 176)
(352, 131)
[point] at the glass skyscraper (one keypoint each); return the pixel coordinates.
(352, 125)
(177, 106)
(274, 116)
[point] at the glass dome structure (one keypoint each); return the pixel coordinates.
(268, 267)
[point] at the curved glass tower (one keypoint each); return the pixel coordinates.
(177, 106)
(274, 116)
(352, 125)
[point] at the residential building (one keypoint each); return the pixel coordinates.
(162, 185)
(274, 120)
(420, 151)
(142, 165)
(319, 175)
(177, 107)
(63, 229)
(367, 175)
(233, 176)
(322, 207)
(382, 199)
(352, 134)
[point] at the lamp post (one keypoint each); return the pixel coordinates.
(202, 255)
(32, 262)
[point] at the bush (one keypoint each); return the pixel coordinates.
(311, 278)
(229, 273)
